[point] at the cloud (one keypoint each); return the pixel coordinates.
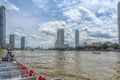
(82, 14)
(95, 35)
(18, 33)
(42, 4)
(73, 14)
(68, 4)
(100, 35)
(9, 5)
(36, 37)
(52, 26)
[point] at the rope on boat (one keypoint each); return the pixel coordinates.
(31, 72)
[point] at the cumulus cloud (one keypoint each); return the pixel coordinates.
(100, 35)
(82, 14)
(19, 33)
(42, 4)
(52, 26)
(68, 4)
(36, 37)
(73, 14)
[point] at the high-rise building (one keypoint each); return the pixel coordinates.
(2, 27)
(23, 42)
(60, 38)
(12, 41)
(76, 38)
(119, 24)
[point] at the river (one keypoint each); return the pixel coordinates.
(72, 65)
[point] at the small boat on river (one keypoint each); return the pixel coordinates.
(96, 52)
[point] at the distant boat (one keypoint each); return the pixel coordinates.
(96, 52)
(56, 79)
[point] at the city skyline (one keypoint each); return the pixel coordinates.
(95, 22)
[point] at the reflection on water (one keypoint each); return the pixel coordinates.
(73, 65)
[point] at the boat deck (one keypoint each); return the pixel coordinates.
(10, 69)
(13, 71)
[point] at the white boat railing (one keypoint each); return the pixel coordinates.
(29, 78)
(6, 64)
(9, 68)
(11, 74)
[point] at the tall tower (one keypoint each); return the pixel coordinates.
(119, 24)
(2, 27)
(12, 41)
(23, 43)
(76, 38)
(60, 38)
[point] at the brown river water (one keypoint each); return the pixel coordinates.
(72, 65)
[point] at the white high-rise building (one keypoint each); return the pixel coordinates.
(76, 38)
(60, 39)
(119, 24)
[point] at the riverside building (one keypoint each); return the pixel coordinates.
(2, 27)
(60, 39)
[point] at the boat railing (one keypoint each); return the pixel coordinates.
(9, 68)
(29, 78)
(6, 64)
(11, 74)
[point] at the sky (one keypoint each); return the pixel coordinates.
(38, 20)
